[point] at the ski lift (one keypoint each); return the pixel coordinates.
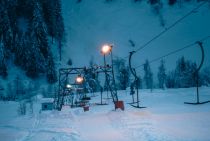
(197, 78)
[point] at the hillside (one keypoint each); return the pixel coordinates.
(89, 24)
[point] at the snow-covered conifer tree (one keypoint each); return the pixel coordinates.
(161, 74)
(148, 75)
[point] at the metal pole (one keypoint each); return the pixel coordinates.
(113, 73)
(197, 88)
(197, 77)
(197, 71)
(137, 90)
(101, 96)
(133, 97)
(59, 89)
(106, 81)
(133, 72)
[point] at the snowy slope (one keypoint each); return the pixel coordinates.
(92, 23)
(166, 118)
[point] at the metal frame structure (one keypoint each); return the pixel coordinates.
(136, 81)
(65, 73)
(63, 80)
(197, 77)
(110, 79)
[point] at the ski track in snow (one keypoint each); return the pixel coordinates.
(31, 131)
(47, 125)
(132, 128)
(138, 126)
(160, 121)
(96, 126)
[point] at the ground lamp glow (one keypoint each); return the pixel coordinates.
(68, 86)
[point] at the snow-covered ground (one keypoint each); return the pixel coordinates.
(166, 118)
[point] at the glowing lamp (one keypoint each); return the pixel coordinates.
(106, 49)
(68, 86)
(79, 79)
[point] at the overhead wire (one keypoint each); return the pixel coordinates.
(175, 51)
(164, 31)
(169, 27)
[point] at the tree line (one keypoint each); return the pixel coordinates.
(183, 76)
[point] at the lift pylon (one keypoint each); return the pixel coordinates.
(136, 81)
(197, 78)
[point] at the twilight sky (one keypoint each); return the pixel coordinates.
(90, 24)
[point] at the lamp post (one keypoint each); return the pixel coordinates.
(105, 50)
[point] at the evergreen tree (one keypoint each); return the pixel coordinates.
(124, 78)
(3, 69)
(48, 7)
(12, 14)
(157, 9)
(91, 62)
(38, 30)
(185, 74)
(181, 70)
(10, 91)
(78, 1)
(35, 64)
(154, 1)
(54, 21)
(51, 72)
(170, 80)
(69, 62)
(172, 2)
(5, 29)
(192, 74)
(22, 52)
(91, 79)
(148, 75)
(59, 26)
(205, 76)
(161, 74)
(122, 73)
(39, 45)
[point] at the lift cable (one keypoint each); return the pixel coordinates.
(170, 27)
(175, 51)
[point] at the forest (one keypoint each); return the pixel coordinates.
(27, 31)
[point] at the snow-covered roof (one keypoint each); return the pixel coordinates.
(47, 100)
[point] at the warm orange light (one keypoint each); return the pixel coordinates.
(79, 79)
(106, 49)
